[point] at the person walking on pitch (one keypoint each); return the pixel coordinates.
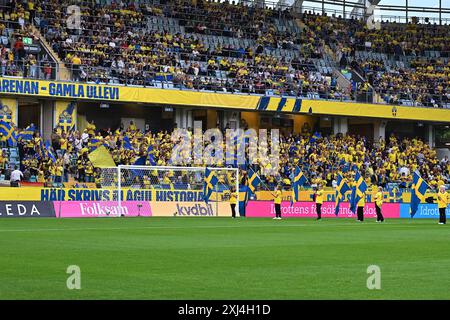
(378, 204)
(319, 201)
(277, 203)
(442, 200)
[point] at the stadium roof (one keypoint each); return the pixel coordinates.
(437, 11)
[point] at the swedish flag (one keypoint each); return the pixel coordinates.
(341, 188)
(127, 143)
(9, 132)
(151, 157)
(253, 180)
(315, 136)
(65, 120)
(95, 143)
(299, 180)
(27, 133)
(210, 182)
(358, 191)
(50, 154)
(419, 188)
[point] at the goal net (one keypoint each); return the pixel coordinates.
(170, 191)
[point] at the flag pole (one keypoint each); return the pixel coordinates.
(268, 189)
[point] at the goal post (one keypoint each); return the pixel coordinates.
(156, 179)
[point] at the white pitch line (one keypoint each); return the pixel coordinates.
(198, 227)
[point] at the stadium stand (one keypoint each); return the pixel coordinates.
(382, 162)
(228, 47)
(222, 46)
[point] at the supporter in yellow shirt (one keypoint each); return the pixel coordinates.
(442, 201)
(319, 201)
(378, 204)
(277, 202)
(233, 203)
(360, 209)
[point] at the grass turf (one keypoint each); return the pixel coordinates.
(220, 258)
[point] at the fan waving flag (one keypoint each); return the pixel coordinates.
(210, 182)
(299, 180)
(49, 148)
(341, 188)
(419, 188)
(315, 136)
(127, 144)
(358, 191)
(253, 180)
(27, 133)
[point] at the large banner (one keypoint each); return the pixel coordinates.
(80, 209)
(400, 195)
(66, 194)
(65, 115)
(84, 91)
(89, 209)
(266, 209)
(21, 209)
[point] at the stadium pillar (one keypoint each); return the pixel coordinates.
(47, 110)
(379, 130)
(430, 136)
(189, 119)
(340, 125)
(179, 118)
(183, 118)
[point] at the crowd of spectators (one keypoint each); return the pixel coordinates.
(16, 25)
(420, 80)
(381, 162)
(115, 45)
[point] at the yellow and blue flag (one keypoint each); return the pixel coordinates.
(101, 158)
(341, 188)
(95, 143)
(27, 133)
(419, 188)
(315, 136)
(150, 156)
(49, 149)
(211, 181)
(253, 180)
(358, 191)
(127, 143)
(299, 180)
(9, 132)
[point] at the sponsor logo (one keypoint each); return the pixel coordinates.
(308, 209)
(98, 209)
(87, 209)
(26, 209)
(394, 111)
(194, 210)
(424, 211)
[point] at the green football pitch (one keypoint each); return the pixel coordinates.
(220, 258)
